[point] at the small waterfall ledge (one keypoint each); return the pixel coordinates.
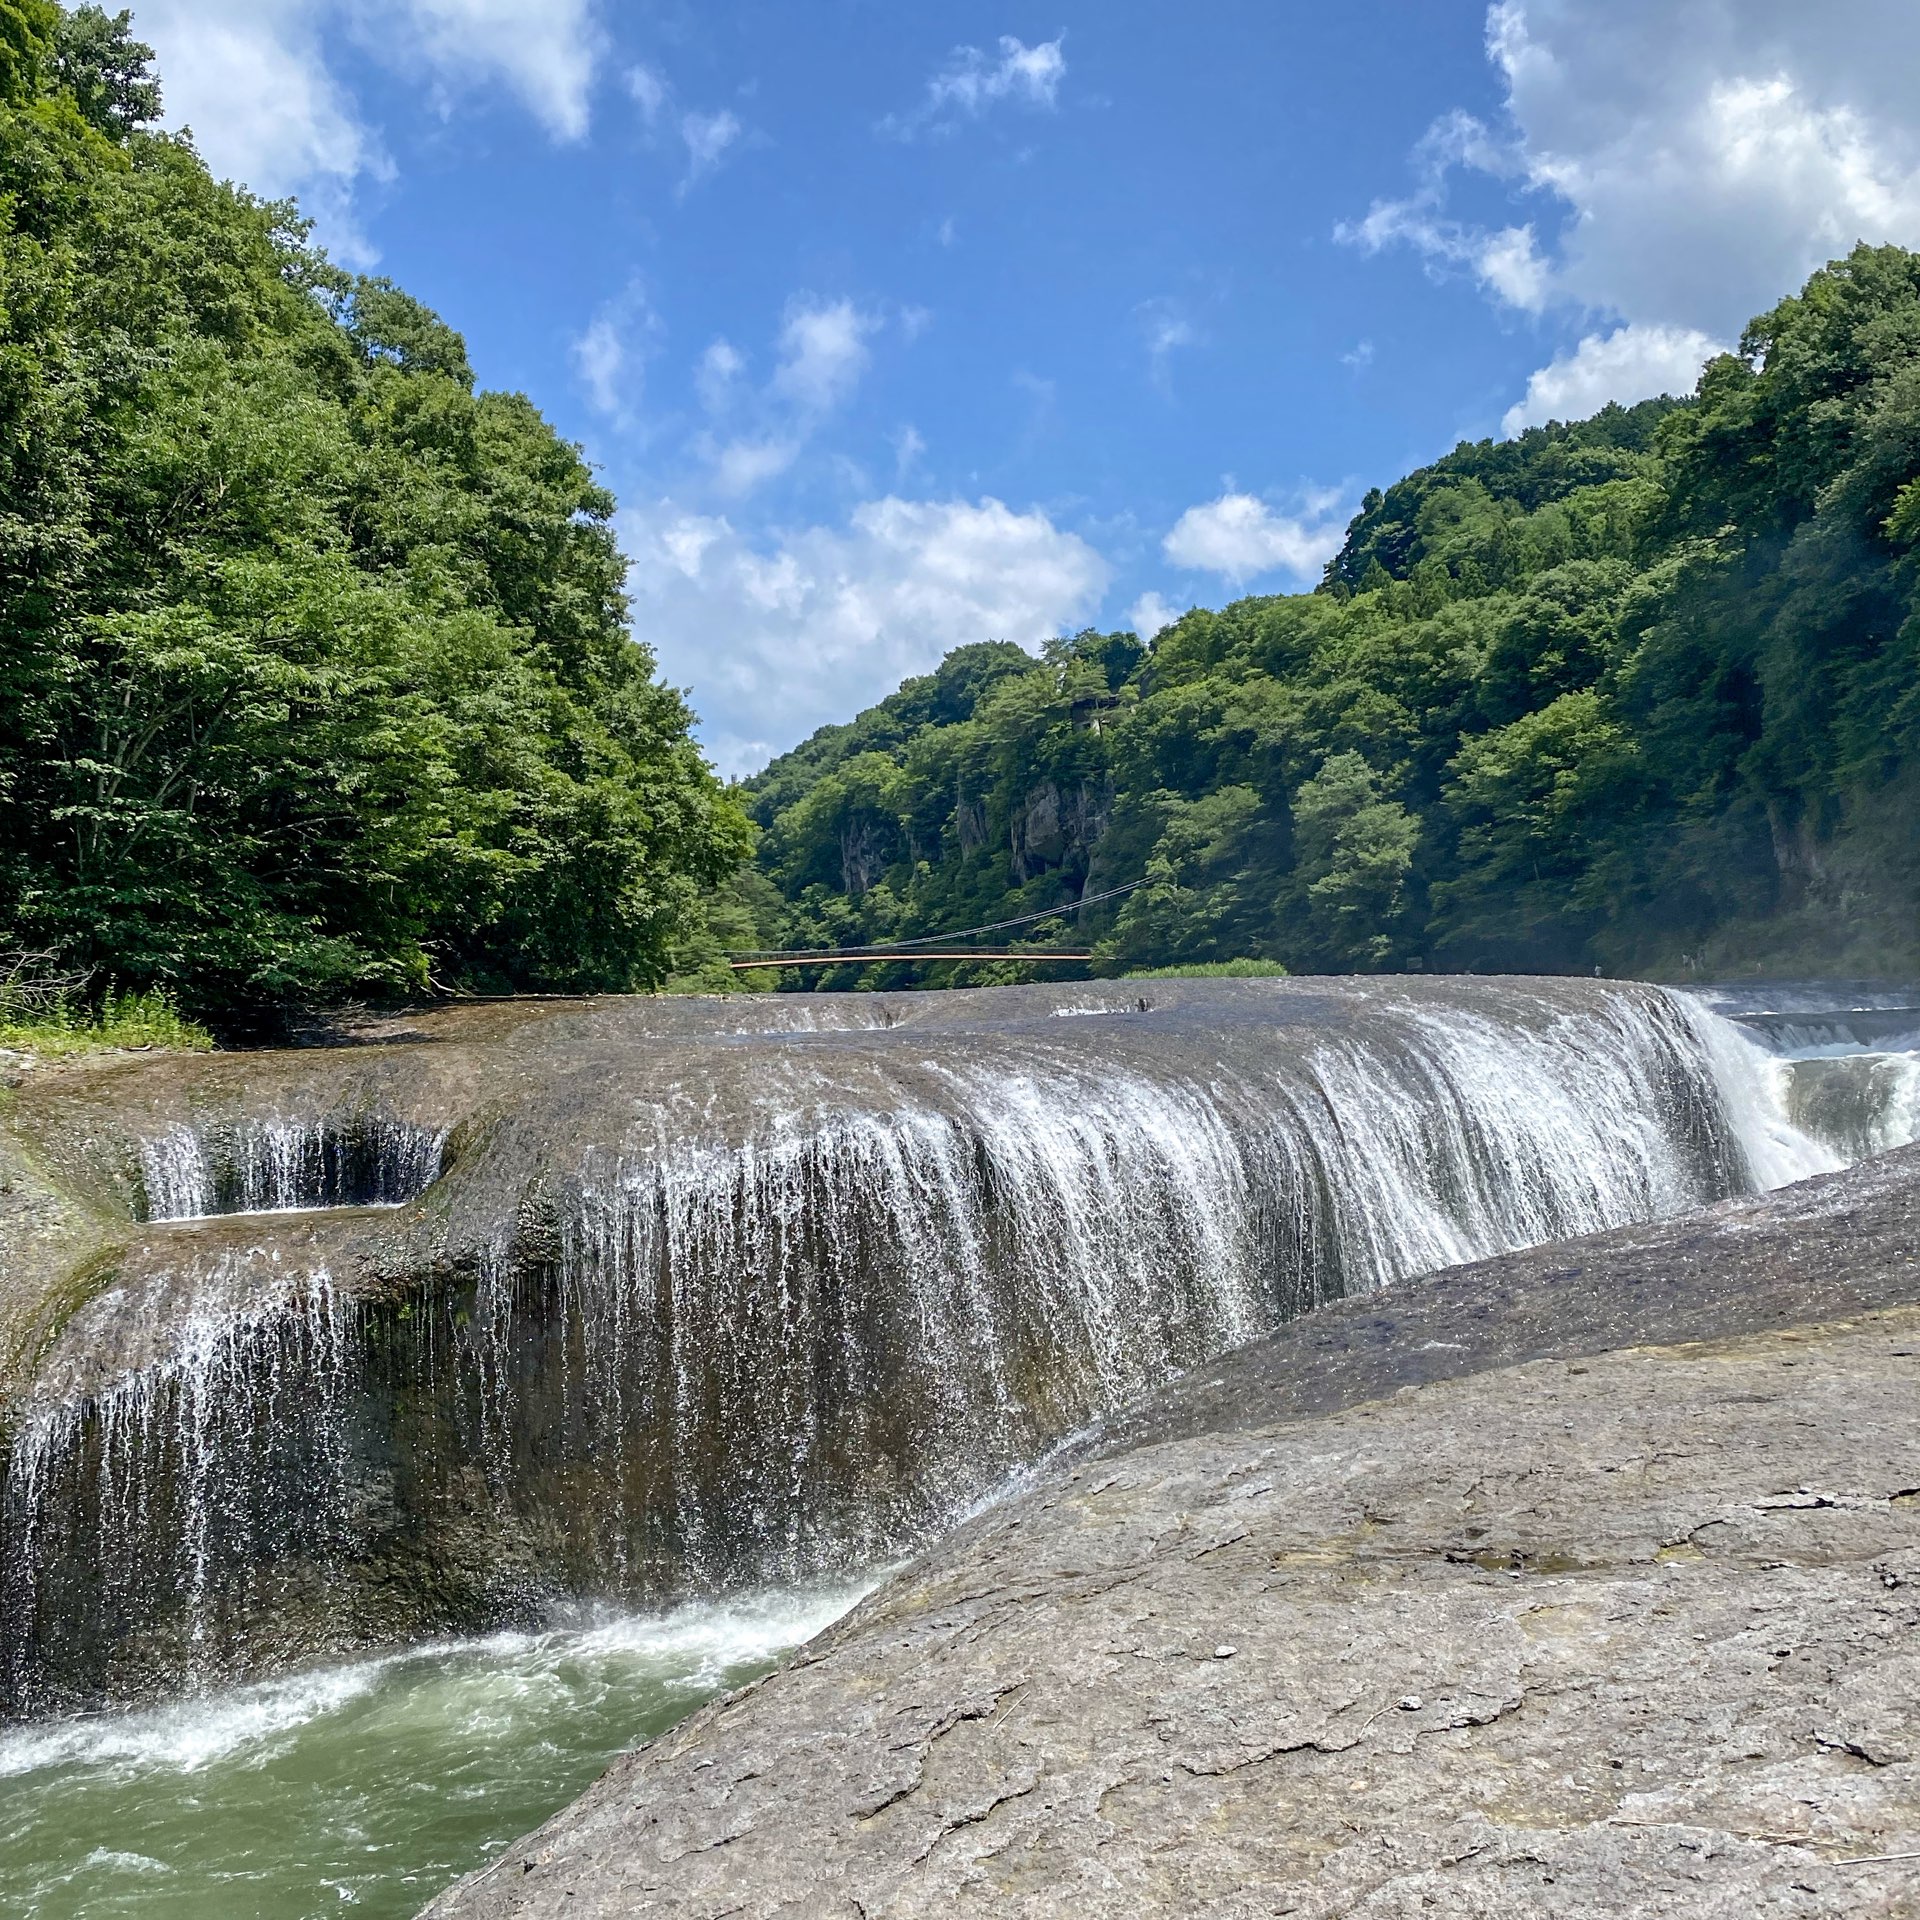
(285, 1165)
(618, 1300)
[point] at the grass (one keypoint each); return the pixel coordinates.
(1213, 970)
(65, 1027)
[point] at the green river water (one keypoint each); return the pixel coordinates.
(357, 1789)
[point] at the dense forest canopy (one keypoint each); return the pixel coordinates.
(1641, 693)
(314, 670)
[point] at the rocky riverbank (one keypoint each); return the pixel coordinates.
(1583, 1581)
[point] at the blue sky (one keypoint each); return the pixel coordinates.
(898, 326)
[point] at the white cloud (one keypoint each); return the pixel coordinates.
(1166, 329)
(909, 444)
(649, 91)
(599, 356)
(610, 356)
(715, 377)
(741, 466)
(972, 81)
(777, 638)
(823, 351)
(1239, 537)
(1150, 614)
(1506, 263)
(1710, 156)
(707, 137)
(1511, 269)
(1685, 163)
(1629, 364)
(251, 77)
(543, 50)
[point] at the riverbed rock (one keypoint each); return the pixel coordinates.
(483, 1312)
(1584, 1581)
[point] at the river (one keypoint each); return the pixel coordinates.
(365, 1787)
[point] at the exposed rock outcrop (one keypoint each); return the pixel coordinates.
(1585, 1581)
(637, 1300)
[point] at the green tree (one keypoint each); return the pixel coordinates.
(1354, 850)
(314, 668)
(105, 71)
(28, 30)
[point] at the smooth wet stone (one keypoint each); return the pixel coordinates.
(1585, 1581)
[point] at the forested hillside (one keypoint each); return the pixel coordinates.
(1638, 693)
(314, 677)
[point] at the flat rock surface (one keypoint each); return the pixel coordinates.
(1400, 1613)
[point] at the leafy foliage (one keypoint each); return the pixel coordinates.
(1640, 692)
(1213, 970)
(314, 675)
(48, 1013)
(131, 1022)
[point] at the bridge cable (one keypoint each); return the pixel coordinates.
(935, 939)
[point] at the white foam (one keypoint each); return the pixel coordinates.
(690, 1649)
(189, 1734)
(1753, 1086)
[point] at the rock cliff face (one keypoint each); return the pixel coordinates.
(533, 1303)
(1583, 1581)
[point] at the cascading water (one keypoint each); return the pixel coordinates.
(132, 1492)
(792, 1311)
(1824, 1076)
(280, 1166)
(867, 1317)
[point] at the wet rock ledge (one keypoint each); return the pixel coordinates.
(1581, 1582)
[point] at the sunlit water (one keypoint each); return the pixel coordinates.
(360, 1789)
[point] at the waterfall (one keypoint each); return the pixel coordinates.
(1854, 1104)
(1813, 1080)
(153, 1493)
(802, 1297)
(1755, 1092)
(281, 1165)
(870, 1315)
